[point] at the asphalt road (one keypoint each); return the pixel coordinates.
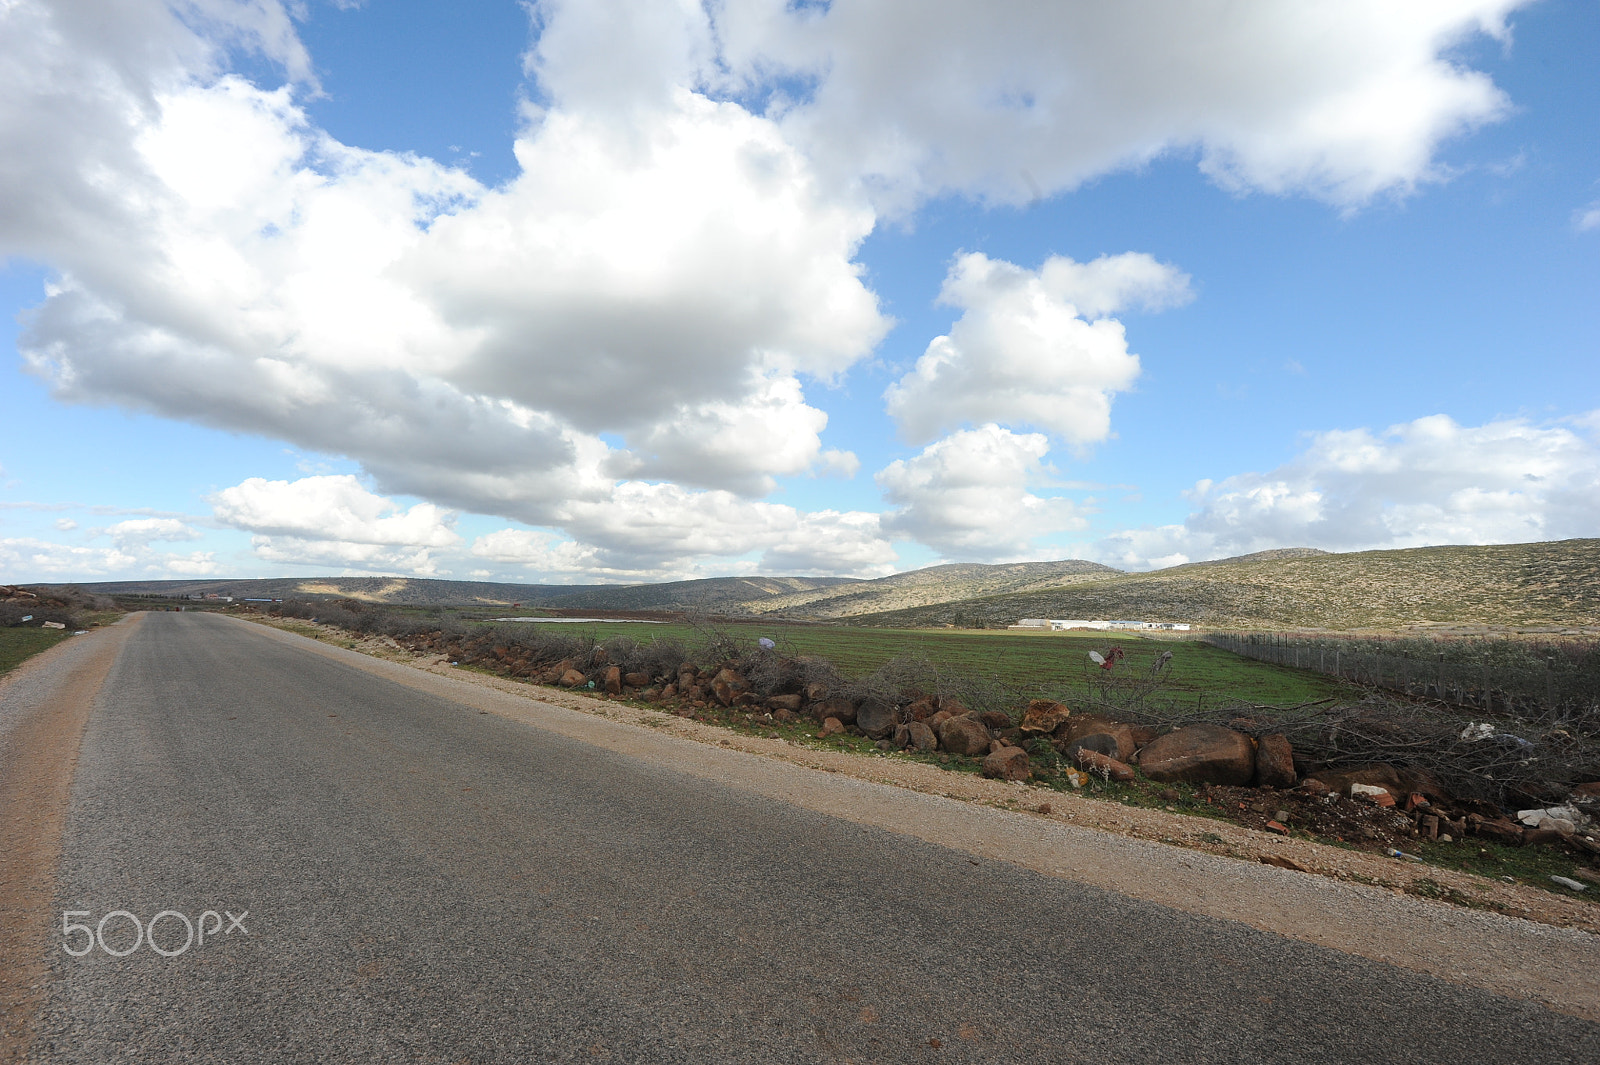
(427, 882)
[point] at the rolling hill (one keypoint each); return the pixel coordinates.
(1539, 586)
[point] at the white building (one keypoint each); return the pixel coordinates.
(1057, 625)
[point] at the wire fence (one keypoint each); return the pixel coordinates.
(1492, 676)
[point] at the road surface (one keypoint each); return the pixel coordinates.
(415, 879)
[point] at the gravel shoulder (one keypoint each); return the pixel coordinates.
(1357, 903)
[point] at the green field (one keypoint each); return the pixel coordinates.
(19, 644)
(1032, 664)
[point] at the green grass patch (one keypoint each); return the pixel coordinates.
(19, 644)
(1034, 664)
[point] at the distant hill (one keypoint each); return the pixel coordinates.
(925, 587)
(722, 595)
(1535, 586)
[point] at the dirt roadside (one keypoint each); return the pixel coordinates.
(46, 703)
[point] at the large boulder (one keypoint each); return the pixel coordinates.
(790, 703)
(922, 737)
(727, 686)
(876, 718)
(1200, 754)
(1044, 715)
(636, 680)
(572, 678)
(1008, 763)
(613, 680)
(964, 735)
(996, 720)
(1275, 762)
(1078, 726)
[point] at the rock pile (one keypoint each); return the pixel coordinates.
(1252, 779)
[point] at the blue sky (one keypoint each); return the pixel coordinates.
(623, 291)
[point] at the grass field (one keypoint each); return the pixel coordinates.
(1032, 664)
(19, 644)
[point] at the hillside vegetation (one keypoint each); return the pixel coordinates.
(1544, 586)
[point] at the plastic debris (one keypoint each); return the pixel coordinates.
(1402, 855)
(1571, 885)
(766, 643)
(1476, 731)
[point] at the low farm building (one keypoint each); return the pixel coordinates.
(1060, 625)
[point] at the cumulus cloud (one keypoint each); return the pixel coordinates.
(967, 497)
(28, 559)
(1032, 347)
(636, 314)
(1420, 483)
(335, 521)
(140, 532)
(1011, 102)
(1586, 218)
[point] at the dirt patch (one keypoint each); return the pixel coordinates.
(38, 754)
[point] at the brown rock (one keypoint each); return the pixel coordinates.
(1275, 761)
(840, 706)
(1499, 831)
(1591, 790)
(636, 680)
(1008, 763)
(1078, 726)
(921, 710)
(1382, 775)
(613, 680)
(669, 692)
(572, 678)
(783, 717)
(1104, 766)
(727, 686)
(830, 727)
(996, 720)
(790, 703)
(963, 735)
(1044, 715)
(1283, 863)
(922, 737)
(951, 704)
(938, 719)
(1202, 754)
(876, 718)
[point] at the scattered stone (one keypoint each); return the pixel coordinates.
(1097, 743)
(1044, 715)
(637, 680)
(613, 680)
(963, 735)
(1275, 761)
(830, 727)
(1169, 794)
(921, 709)
(1371, 793)
(902, 736)
(938, 719)
(1280, 829)
(1200, 753)
(1381, 774)
(884, 745)
(1499, 831)
(1008, 763)
(1571, 885)
(791, 703)
(922, 737)
(1044, 808)
(572, 678)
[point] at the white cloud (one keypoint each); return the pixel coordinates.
(27, 559)
(140, 532)
(334, 521)
(66, 524)
(1420, 483)
(967, 497)
(333, 507)
(1586, 218)
(1024, 350)
(1015, 101)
